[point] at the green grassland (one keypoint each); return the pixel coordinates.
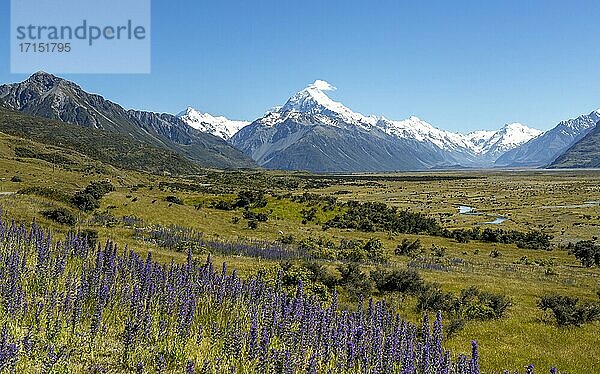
(551, 201)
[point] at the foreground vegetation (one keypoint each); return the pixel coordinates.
(525, 290)
(69, 306)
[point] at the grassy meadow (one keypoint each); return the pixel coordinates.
(562, 204)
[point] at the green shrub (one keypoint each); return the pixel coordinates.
(173, 200)
(55, 157)
(358, 251)
(88, 199)
(99, 189)
(405, 281)
(250, 215)
(315, 278)
(569, 311)
(472, 304)
(533, 239)
(248, 198)
(432, 298)
(373, 216)
(222, 205)
(85, 201)
(319, 248)
(355, 280)
(455, 325)
(286, 239)
(586, 251)
(16, 179)
(61, 216)
(438, 251)
(480, 305)
(309, 214)
(408, 248)
(375, 250)
(90, 235)
(24, 152)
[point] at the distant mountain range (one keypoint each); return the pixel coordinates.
(583, 154)
(218, 126)
(309, 132)
(544, 149)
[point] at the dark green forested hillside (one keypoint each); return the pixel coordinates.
(584, 154)
(109, 147)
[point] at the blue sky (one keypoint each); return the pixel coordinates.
(460, 65)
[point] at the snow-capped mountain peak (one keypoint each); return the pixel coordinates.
(313, 131)
(216, 125)
(515, 133)
(313, 97)
(508, 137)
(417, 129)
(479, 139)
(314, 100)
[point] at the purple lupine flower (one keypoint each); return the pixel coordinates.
(252, 341)
(27, 343)
(299, 290)
(461, 366)
(128, 337)
(474, 364)
(161, 363)
(444, 367)
(437, 338)
(312, 364)
(52, 357)
(190, 367)
(95, 323)
(350, 350)
(264, 350)
(371, 339)
(8, 351)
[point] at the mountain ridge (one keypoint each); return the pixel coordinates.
(119, 150)
(547, 147)
(585, 153)
(310, 131)
(48, 96)
(409, 144)
(219, 126)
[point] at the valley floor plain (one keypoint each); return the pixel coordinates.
(562, 204)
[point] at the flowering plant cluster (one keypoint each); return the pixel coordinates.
(66, 306)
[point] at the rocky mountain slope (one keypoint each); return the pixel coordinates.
(583, 154)
(544, 149)
(48, 96)
(216, 125)
(313, 132)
